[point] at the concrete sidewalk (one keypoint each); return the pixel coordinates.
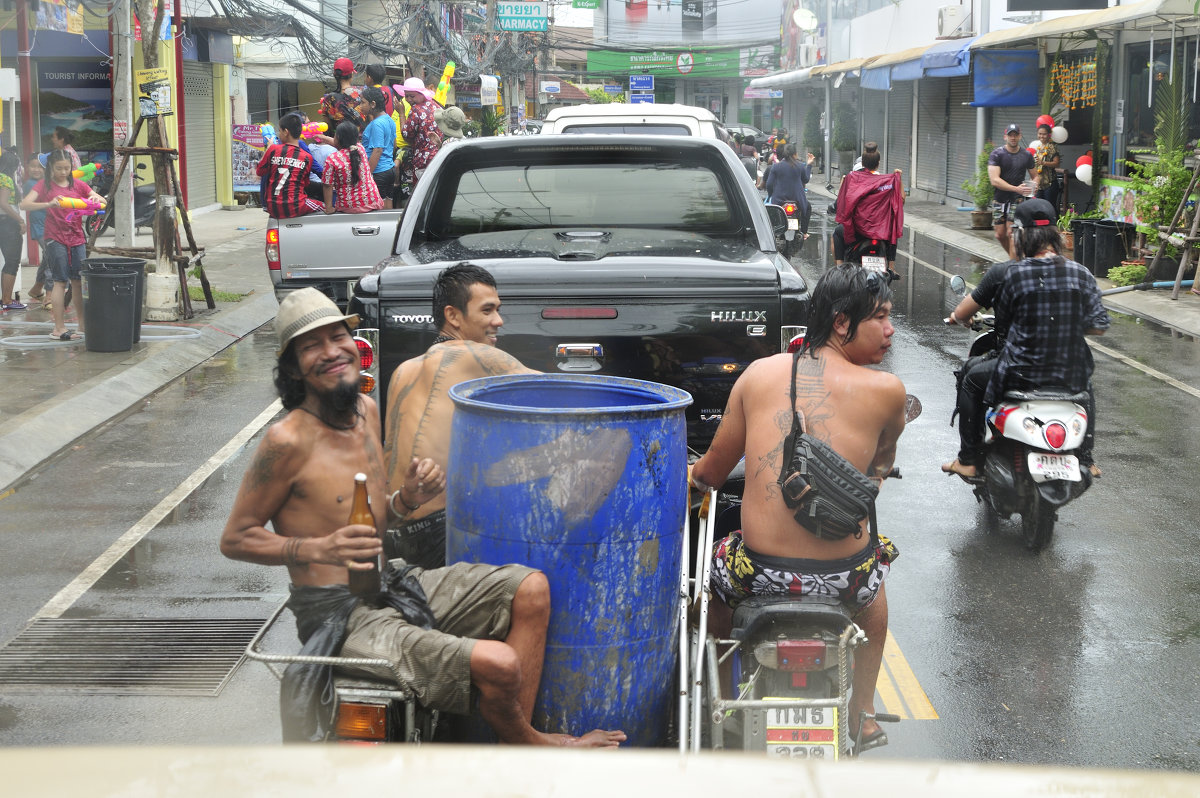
(946, 223)
(53, 393)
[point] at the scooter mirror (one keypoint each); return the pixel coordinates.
(912, 407)
(958, 285)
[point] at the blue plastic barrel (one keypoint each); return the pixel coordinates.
(582, 477)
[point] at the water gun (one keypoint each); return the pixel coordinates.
(313, 129)
(80, 207)
(443, 86)
(87, 172)
(268, 134)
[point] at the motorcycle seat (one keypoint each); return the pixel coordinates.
(1047, 394)
(756, 613)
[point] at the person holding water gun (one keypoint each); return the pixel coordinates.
(64, 241)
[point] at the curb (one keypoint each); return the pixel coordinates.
(33, 437)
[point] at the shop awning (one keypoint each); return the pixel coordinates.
(782, 80)
(1143, 15)
(880, 71)
(948, 59)
(841, 67)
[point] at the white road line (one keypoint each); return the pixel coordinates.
(1104, 350)
(90, 575)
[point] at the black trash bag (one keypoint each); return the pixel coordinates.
(306, 693)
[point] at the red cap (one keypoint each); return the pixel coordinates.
(343, 66)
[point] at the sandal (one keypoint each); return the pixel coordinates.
(959, 468)
(66, 336)
(32, 295)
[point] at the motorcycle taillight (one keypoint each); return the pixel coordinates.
(789, 208)
(800, 655)
(1055, 434)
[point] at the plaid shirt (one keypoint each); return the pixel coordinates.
(1051, 303)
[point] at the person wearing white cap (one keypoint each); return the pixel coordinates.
(448, 632)
(420, 129)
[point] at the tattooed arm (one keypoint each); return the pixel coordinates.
(491, 361)
(266, 486)
(892, 399)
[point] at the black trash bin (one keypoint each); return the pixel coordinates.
(1083, 230)
(138, 266)
(109, 294)
(1113, 240)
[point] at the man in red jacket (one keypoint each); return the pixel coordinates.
(869, 205)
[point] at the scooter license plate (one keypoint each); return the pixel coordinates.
(1044, 467)
(802, 733)
(793, 224)
(874, 263)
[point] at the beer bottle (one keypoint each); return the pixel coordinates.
(363, 582)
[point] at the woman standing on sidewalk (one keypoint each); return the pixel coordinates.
(12, 230)
(64, 242)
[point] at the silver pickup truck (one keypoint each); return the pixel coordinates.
(328, 252)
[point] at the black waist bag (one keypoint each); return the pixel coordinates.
(830, 496)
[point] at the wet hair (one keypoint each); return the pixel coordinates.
(1045, 127)
(375, 73)
(374, 96)
(1032, 240)
(55, 157)
(789, 152)
(66, 135)
(453, 288)
(849, 290)
(870, 160)
(34, 156)
(870, 146)
(346, 135)
(781, 151)
(748, 140)
(293, 123)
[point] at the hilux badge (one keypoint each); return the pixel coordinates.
(735, 316)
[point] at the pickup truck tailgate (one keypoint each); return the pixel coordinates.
(327, 251)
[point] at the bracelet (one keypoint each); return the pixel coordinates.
(410, 509)
(392, 505)
(291, 551)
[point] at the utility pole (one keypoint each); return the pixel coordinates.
(30, 141)
(122, 37)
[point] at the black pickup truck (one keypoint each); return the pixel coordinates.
(650, 257)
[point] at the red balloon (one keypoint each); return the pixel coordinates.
(1045, 119)
(1032, 150)
(1083, 159)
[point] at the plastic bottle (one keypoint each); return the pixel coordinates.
(367, 581)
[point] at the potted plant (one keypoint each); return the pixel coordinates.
(845, 134)
(980, 190)
(1064, 228)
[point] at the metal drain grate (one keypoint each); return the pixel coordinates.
(139, 656)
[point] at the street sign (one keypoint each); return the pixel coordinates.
(551, 87)
(776, 94)
(641, 98)
(611, 89)
(641, 83)
(522, 16)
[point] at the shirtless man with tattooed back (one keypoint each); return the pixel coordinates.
(859, 412)
(488, 622)
(466, 311)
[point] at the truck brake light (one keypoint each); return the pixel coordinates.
(791, 336)
(273, 262)
(579, 313)
(367, 341)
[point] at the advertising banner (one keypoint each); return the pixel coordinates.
(154, 92)
(641, 23)
(77, 95)
(248, 149)
(726, 63)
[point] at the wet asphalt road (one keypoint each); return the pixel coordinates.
(1081, 655)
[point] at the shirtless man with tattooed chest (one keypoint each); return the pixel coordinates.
(859, 413)
(466, 311)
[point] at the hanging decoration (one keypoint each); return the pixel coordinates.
(1075, 82)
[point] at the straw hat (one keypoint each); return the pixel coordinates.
(450, 121)
(304, 310)
(417, 85)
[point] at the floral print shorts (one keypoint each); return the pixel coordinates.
(854, 581)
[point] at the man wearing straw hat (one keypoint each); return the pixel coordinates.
(447, 630)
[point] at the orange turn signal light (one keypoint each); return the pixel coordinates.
(357, 721)
(366, 383)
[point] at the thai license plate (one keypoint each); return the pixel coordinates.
(875, 263)
(793, 224)
(803, 733)
(1043, 467)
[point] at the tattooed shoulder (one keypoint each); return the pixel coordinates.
(492, 361)
(262, 470)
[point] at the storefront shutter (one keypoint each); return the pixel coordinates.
(960, 161)
(873, 112)
(201, 154)
(898, 154)
(932, 131)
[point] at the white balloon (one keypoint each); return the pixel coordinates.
(1058, 134)
(1036, 144)
(1084, 174)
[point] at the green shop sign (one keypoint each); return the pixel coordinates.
(667, 63)
(585, 4)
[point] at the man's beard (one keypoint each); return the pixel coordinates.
(338, 407)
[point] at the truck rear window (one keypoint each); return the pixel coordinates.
(647, 194)
(638, 129)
